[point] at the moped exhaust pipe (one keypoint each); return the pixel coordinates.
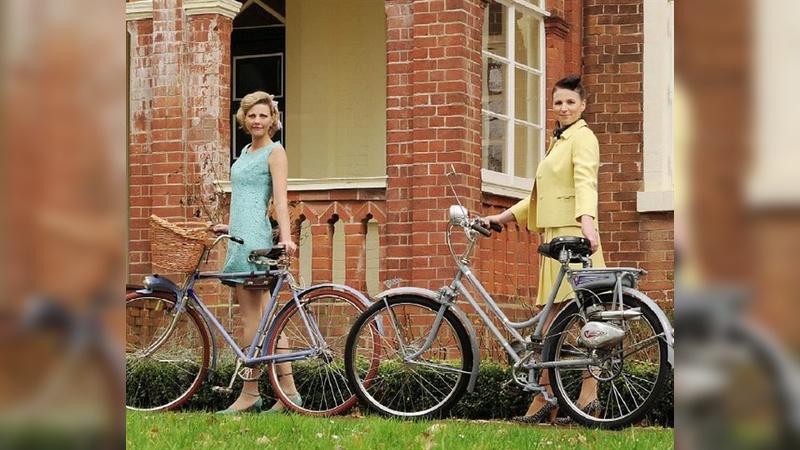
(628, 314)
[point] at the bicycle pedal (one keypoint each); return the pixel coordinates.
(511, 388)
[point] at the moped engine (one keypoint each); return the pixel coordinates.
(601, 335)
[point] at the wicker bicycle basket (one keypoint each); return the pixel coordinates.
(177, 246)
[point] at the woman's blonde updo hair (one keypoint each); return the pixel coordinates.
(256, 98)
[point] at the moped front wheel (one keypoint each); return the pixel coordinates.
(423, 369)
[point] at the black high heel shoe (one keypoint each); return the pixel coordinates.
(592, 408)
(545, 411)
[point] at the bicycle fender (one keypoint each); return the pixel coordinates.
(427, 293)
(155, 283)
(668, 334)
(339, 287)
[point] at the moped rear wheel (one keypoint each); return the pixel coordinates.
(628, 377)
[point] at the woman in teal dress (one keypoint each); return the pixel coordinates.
(258, 176)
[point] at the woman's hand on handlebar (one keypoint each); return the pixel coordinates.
(290, 247)
(220, 228)
(489, 220)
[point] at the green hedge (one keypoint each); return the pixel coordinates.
(487, 401)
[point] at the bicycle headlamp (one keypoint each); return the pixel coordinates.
(457, 214)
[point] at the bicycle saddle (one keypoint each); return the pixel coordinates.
(578, 247)
(269, 253)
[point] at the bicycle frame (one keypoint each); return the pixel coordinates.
(250, 359)
(446, 297)
(186, 294)
(448, 294)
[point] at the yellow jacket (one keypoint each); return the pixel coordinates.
(565, 187)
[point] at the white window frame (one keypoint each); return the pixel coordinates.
(505, 183)
(659, 87)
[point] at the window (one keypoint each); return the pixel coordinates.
(513, 110)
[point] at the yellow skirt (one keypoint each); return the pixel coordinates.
(548, 267)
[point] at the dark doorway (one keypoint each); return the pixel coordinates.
(258, 62)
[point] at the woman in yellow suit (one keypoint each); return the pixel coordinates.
(563, 202)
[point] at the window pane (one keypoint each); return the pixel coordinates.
(496, 80)
(494, 35)
(494, 143)
(526, 40)
(527, 96)
(526, 150)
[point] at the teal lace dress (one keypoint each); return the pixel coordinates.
(251, 191)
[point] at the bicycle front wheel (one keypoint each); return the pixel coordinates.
(163, 368)
(318, 377)
(628, 377)
(414, 380)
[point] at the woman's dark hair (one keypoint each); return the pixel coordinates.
(573, 83)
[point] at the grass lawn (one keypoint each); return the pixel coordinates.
(204, 430)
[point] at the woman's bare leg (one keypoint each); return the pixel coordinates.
(285, 376)
(250, 310)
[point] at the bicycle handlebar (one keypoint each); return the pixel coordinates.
(480, 229)
(238, 240)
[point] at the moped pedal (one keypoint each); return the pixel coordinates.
(510, 387)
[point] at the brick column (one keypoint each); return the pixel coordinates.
(434, 57)
(355, 254)
(140, 29)
(613, 74)
(322, 258)
(395, 236)
(207, 124)
(168, 153)
(208, 81)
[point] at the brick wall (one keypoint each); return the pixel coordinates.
(613, 44)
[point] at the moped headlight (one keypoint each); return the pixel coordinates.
(457, 214)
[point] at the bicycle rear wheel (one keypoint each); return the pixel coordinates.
(629, 376)
(162, 371)
(425, 386)
(320, 377)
